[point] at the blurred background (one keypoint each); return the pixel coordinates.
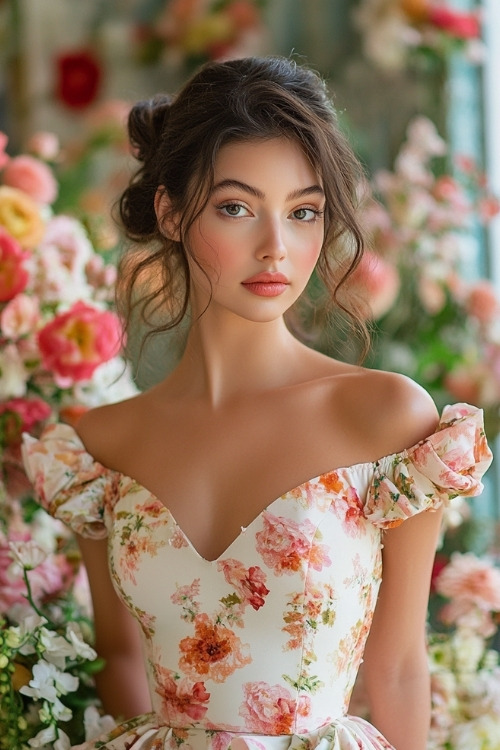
(415, 83)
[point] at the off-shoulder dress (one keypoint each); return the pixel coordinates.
(258, 649)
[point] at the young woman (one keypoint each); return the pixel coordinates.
(254, 586)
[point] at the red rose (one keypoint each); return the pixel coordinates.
(78, 78)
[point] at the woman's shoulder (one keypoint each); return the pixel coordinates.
(104, 430)
(389, 410)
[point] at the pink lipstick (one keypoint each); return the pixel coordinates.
(266, 284)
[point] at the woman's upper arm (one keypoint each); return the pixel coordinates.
(115, 628)
(397, 634)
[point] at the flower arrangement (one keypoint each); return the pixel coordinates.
(59, 355)
(465, 670)
(395, 32)
(190, 32)
(431, 322)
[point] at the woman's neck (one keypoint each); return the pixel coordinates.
(228, 358)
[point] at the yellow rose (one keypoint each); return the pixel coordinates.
(20, 216)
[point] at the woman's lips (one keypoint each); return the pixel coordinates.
(266, 284)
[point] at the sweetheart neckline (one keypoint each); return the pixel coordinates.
(244, 529)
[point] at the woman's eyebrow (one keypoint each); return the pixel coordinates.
(294, 195)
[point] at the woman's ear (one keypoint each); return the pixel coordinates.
(167, 220)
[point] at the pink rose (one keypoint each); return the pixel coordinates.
(455, 23)
(49, 579)
(482, 301)
(13, 275)
(27, 412)
(44, 145)
(76, 342)
(20, 316)
(31, 176)
(272, 709)
(377, 282)
(4, 158)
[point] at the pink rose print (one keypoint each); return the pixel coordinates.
(271, 709)
(180, 697)
(286, 547)
(215, 652)
(249, 583)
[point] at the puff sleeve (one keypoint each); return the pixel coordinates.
(68, 482)
(449, 463)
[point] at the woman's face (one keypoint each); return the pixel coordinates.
(261, 232)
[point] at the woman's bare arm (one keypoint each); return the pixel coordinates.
(122, 685)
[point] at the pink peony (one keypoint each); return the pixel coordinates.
(13, 275)
(4, 158)
(469, 579)
(20, 316)
(44, 145)
(272, 709)
(456, 23)
(76, 342)
(31, 176)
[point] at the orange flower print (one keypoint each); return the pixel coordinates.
(287, 547)
(248, 582)
(181, 699)
(215, 652)
(272, 709)
(331, 482)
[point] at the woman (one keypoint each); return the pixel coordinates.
(255, 600)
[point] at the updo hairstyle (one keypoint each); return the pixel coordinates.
(177, 140)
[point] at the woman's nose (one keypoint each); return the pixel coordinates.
(272, 242)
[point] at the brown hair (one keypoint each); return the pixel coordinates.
(177, 140)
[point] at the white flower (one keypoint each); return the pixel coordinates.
(13, 374)
(482, 733)
(62, 742)
(56, 648)
(81, 647)
(27, 555)
(468, 650)
(112, 381)
(95, 724)
(43, 737)
(48, 682)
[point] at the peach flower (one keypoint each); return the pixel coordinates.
(180, 698)
(482, 301)
(470, 579)
(20, 216)
(76, 342)
(33, 177)
(377, 281)
(20, 316)
(272, 709)
(13, 275)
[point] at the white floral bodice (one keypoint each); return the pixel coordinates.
(263, 643)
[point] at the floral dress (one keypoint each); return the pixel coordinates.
(258, 649)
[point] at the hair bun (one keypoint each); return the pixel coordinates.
(146, 125)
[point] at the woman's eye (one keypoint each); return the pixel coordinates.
(306, 214)
(233, 209)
